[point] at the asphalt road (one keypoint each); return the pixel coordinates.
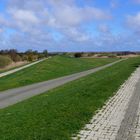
(13, 96)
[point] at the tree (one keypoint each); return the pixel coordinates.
(45, 52)
(14, 55)
(78, 55)
(32, 55)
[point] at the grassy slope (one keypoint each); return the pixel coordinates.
(49, 69)
(62, 112)
(2, 71)
(4, 61)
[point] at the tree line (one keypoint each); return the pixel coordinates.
(29, 55)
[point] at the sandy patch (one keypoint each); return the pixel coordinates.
(14, 65)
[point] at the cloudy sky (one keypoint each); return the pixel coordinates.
(70, 25)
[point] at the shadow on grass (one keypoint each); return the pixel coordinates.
(136, 65)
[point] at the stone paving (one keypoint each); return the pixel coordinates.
(119, 119)
(137, 125)
(128, 126)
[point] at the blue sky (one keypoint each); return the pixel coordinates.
(70, 25)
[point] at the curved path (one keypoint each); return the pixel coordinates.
(119, 119)
(13, 96)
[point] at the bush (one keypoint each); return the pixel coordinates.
(32, 57)
(17, 58)
(78, 55)
(24, 57)
(4, 61)
(112, 56)
(40, 56)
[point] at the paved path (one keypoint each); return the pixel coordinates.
(13, 96)
(130, 121)
(119, 119)
(20, 68)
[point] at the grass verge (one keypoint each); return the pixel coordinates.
(49, 69)
(63, 111)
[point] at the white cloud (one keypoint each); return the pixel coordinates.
(3, 21)
(75, 34)
(71, 15)
(34, 22)
(22, 20)
(134, 21)
(25, 16)
(52, 14)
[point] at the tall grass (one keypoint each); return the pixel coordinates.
(4, 61)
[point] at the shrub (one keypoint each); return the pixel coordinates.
(78, 55)
(112, 56)
(17, 58)
(24, 57)
(45, 52)
(4, 61)
(40, 56)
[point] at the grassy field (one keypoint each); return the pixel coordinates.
(62, 112)
(49, 69)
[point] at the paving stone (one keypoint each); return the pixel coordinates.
(120, 112)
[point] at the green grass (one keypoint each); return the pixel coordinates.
(49, 69)
(62, 112)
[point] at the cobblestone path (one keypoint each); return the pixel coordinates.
(119, 119)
